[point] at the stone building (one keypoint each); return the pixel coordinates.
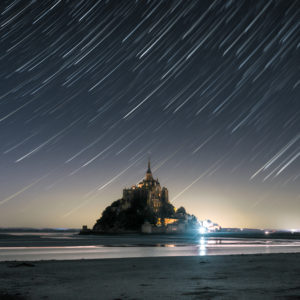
(149, 188)
(145, 207)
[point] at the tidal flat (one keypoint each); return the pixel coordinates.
(260, 276)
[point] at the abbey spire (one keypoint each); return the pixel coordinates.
(149, 173)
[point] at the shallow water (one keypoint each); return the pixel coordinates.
(61, 247)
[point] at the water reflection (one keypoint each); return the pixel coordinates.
(202, 247)
(137, 246)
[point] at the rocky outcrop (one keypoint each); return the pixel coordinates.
(122, 216)
(145, 202)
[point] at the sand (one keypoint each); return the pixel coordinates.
(269, 276)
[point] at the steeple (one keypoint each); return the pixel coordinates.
(149, 173)
(149, 169)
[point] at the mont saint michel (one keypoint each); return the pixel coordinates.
(146, 208)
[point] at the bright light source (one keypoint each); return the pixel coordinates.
(202, 230)
(266, 232)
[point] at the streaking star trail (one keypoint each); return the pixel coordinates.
(208, 89)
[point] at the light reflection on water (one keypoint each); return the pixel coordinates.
(201, 247)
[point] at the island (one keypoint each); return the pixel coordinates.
(144, 208)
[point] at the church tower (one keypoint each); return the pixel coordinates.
(149, 189)
(149, 173)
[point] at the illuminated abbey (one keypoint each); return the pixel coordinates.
(144, 207)
(148, 188)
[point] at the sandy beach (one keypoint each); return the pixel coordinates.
(271, 276)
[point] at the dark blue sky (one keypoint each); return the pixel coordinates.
(208, 89)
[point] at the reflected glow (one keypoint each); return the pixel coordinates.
(202, 251)
(170, 245)
(211, 242)
(202, 248)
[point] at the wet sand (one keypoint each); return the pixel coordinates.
(269, 276)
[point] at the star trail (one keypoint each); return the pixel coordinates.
(208, 89)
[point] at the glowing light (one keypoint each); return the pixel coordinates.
(202, 248)
(170, 245)
(202, 230)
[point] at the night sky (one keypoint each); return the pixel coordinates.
(208, 89)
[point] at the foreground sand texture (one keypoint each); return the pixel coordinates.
(274, 276)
